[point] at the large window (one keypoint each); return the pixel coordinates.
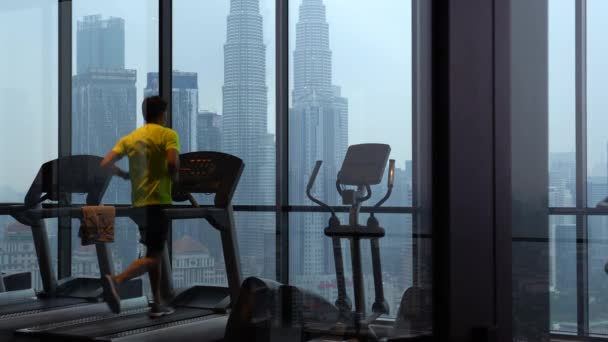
(223, 100)
(349, 84)
(114, 49)
(341, 83)
(28, 118)
(562, 104)
(575, 60)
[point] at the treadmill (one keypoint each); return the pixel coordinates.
(200, 311)
(57, 180)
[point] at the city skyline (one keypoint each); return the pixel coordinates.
(205, 20)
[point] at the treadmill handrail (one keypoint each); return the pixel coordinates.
(178, 212)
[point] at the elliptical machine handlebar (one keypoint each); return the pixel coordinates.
(313, 177)
(311, 182)
(391, 181)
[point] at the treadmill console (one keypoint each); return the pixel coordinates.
(208, 172)
(59, 178)
(364, 164)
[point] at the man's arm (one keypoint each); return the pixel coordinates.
(109, 163)
(173, 164)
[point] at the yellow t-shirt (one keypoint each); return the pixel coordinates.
(146, 148)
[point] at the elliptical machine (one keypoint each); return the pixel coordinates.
(269, 311)
(363, 166)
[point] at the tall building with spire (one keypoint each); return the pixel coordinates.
(318, 131)
(244, 124)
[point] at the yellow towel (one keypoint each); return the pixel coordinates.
(97, 224)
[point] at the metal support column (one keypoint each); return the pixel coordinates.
(582, 248)
(165, 90)
(64, 234)
(282, 140)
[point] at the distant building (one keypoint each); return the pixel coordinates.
(85, 262)
(185, 105)
(208, 131)
(244, 126)
(103, 104)
(562, 177)
(318, 130)
(100, 44)
(17, 252)
(104, 109)
(192, 264)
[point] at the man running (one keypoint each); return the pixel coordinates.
(153, 152)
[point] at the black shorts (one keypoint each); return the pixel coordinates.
(153, 227)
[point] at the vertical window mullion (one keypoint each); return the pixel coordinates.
(64, 233)
(581, 169)
(165, 90)
(282, 140)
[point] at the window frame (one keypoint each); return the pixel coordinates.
(420, 134)
(582, 210)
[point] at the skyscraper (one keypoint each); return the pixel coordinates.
(318, 131)
(245, 94)
(103, 92)
(104, 108)
(208, 131)
(244, 124)
(100, 43)
(103, 105)
(185, 105)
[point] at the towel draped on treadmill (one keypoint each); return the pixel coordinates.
(97, 224)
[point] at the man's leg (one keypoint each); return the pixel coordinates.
(110, 283)
(136, 269)
(154, 271)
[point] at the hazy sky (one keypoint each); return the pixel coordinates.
(370, 41)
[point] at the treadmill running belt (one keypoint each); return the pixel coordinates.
(125, 323)
(40, 304)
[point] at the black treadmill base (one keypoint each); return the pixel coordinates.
(38, 305)
(117, 325)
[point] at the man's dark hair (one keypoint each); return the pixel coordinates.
(153, 107)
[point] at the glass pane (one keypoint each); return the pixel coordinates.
(312, 263)
(562, 104)
(115, 44)
(256, 236)
(124, 249)
(562, 255)
(224, 85)
(223, 100)
(597, 286)
(198, 257)
(351, 84)
(28, 92)
(28, 120)
(17, 251)
(597, 117)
